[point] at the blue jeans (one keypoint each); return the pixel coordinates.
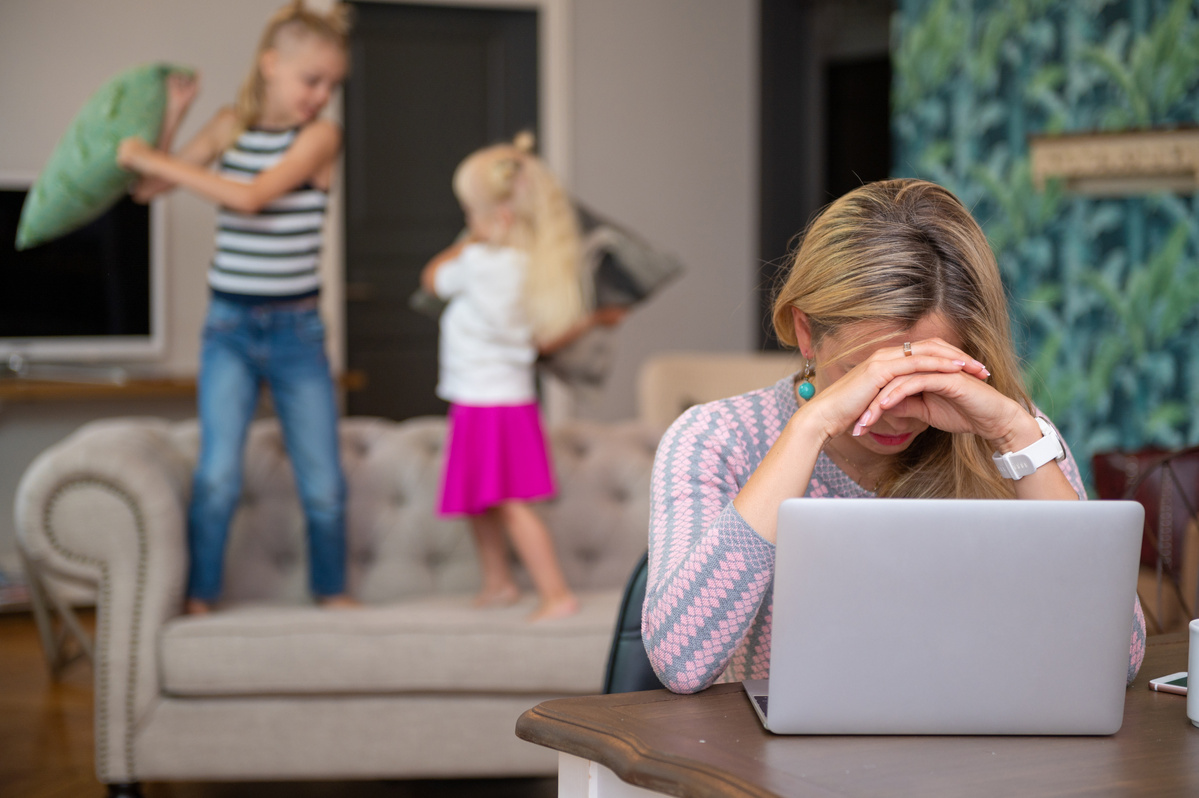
(282, 345)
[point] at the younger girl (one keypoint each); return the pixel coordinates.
(513, 286)
(276, 162)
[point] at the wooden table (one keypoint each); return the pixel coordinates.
(711, 744)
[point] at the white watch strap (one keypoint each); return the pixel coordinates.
(1016, 465)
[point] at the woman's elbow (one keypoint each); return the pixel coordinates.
(676, 679)
(684, 688)
(685, 682)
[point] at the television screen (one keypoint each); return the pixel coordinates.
(88, 295)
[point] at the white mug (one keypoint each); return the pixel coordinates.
(1192, 668)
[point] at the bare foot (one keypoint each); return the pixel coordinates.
(504, 596)
(341, 601)
(196, 607)
(549, 610)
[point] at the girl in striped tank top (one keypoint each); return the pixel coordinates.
(275, 165)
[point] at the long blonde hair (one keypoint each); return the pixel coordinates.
(544, 225)
(890, 253)
(290, 20)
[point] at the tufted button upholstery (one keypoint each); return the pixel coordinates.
(604, 473)
(397, 546)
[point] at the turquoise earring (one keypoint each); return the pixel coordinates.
(806, 389)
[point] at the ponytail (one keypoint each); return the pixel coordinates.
(545, 226)
(293, 18)
(554, 295)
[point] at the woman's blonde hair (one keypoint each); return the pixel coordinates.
(293, 19)
(544, 225)
(888, 254)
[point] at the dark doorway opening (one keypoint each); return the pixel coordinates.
(858, 111)
(429, 85)
(825, 73)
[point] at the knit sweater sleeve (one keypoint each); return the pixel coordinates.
(709, 571)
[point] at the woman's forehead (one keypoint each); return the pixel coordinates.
(862, 339)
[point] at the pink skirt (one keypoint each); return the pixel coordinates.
(494, 454)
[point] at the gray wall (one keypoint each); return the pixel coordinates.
(663, 122)
(665, 141)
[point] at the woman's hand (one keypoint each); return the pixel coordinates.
(852, 401)
(958, 402)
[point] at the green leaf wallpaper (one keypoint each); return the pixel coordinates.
(1105, 292)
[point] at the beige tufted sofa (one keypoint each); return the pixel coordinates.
(416, 684)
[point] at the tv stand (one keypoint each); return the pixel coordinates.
(20, 368)
(81, 383)
(36, 387)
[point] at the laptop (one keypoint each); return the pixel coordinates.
(950, 616)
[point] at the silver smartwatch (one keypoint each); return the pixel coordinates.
(1016, 465)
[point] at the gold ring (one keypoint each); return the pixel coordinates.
(907, 348)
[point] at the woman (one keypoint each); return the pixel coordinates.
(910, 388)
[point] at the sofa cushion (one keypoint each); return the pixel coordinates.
(435, 644)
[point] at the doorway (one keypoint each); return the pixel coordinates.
(825, 73)
(429, 85)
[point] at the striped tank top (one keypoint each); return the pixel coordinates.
(275, 252)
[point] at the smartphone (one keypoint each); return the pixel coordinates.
(1174, 683)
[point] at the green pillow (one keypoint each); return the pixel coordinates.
(82, 179)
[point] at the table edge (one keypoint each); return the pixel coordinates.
(626, 755)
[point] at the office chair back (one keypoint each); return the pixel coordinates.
(628, 665)
(1167, 485)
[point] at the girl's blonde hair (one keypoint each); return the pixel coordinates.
(888, 254)
(293, 19)
(544, 225)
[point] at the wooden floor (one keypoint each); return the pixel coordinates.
(46, 745)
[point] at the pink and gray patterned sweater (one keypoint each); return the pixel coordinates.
(707, 609)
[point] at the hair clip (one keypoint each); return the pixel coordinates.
(524, 141)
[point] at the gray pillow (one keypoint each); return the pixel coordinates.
(625, 270)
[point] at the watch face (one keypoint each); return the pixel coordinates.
(1048, 431)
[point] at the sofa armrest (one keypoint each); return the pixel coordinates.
(108, 505)
(671, 382)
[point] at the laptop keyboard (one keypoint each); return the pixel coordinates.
(762, 699)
